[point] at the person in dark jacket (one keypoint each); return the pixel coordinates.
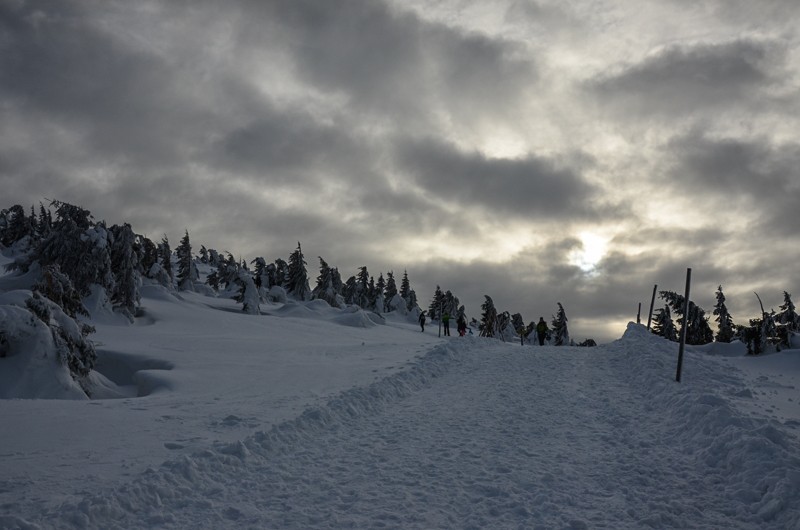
(446, 323)
(541, 330)
(422, 320)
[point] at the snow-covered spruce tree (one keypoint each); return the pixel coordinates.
(165, 255)
(436, 307)
(79, 248)
(44, 224)
(297, 285)
(560, 330)
(69, 337)
(126, 265)
(663, 326)
(350, 291)
(260, 272)
(725, 327)
(148, 252)
(16, 225)
(390, 290)
(361, 295)
(697, 331)
(788, 316)
(203, 254)
(281, 273)
(247, 295)
(378, 297)
(405, 291)
(213, 257)
(503, 322)
(325, 289)
(58, 288)
(187, 271)
(488, 322)
(517, 322)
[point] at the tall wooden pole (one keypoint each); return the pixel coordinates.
(685, 325)
(652, 303)
(639, 314)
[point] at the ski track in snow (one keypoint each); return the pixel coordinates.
(481, 434)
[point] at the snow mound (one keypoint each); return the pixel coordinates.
(31, 368)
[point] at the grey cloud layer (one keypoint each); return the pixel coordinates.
(222, 118)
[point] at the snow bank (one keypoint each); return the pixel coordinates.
(750, 459)
(31, 367)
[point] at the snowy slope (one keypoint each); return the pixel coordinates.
(307, 417)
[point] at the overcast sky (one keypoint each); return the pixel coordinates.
(541, 151)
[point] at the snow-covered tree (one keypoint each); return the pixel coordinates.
(17, 225)
(663, 326)
(247, 295)
(436, 307)
(127, 269)
(390, 290)
(725, 326)
(281, 273)
(326, 284)
(148, 254)
(69, 337)
(187, 270)
(297, 285)
(165, 255)
(697, 331)
(788, 316)
(58, 288)
(79, 248)
(560, 329)
(203, 254)
(488, 323)
(503, 322)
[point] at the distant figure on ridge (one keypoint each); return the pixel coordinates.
(461, 325)
(422, 320)
(541, 330)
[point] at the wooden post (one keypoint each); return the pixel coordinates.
(682, 344)
(639, 314)
(652, 303)
(440, 319)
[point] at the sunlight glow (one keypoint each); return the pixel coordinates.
(593, 248)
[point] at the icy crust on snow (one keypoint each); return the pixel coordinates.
(749, 460)
(159, 498)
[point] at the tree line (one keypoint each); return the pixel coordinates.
(770, 330)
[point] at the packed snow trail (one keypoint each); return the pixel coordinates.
(481, 434)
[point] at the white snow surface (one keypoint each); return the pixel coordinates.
(307, 416)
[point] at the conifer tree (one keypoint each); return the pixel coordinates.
(503, 321)
(297, 285)
(187, 273)
(560, 329)
(488, 321)
(247, 294)
(165, 253)
(351, 291)
(17, 225)
(663, 326)
(697, 331)
(148, 254)
(127, 269)
(390, 290)
(326, 288)
(724, 320)
(281, 273)
(378, 300)
(436, 308)
(788, 316)
(203, 254)
(362, 288)
(405, 286)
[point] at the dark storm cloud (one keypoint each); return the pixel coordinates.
(391, 63)
(687, 79)
(58, 66)
(754, 175)
(532, 187)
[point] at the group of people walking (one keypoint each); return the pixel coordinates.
(542, 331)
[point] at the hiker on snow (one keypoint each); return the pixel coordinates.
(422, 320)
(446, 323)
(462, 326)
(541, 330)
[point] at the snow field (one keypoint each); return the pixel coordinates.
(480, 434)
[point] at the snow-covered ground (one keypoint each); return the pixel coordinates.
(310, 417)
